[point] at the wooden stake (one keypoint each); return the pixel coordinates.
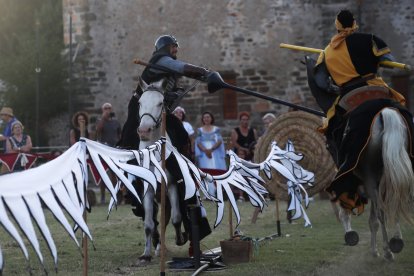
(82, 129)
(162, 256)
(279, 232)
(85, 247)
(230, 220)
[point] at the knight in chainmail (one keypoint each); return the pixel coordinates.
(165, 57)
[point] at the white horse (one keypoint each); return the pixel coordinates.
(384, 168)
(151, 106)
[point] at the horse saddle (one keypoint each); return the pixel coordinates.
(356, 97)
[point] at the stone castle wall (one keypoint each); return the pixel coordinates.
(236, 36)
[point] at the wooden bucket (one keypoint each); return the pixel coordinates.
(236, 251)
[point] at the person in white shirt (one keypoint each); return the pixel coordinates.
(179, 112)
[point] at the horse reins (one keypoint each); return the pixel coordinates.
(154, 88)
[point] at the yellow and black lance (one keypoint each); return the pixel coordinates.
(385, 63)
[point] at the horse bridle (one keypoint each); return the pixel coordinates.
(158, 120)
(158, 89)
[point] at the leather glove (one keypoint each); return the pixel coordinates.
(195, 72)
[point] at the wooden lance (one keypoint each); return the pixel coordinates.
(384, 63)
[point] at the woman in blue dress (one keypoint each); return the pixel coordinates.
(209, 150)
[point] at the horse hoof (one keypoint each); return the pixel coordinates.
(389, 256)
(143, 260)
(185, 237)
(351, 238)
(182, 240)
(375, 254)
(396, 245)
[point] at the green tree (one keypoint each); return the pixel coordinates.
(21, 53)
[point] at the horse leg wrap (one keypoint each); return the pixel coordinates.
(351, 238)
(155, 238)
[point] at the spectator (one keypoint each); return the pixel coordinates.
(243, 136)
(243, 139)
(79, 128)
(108, 132)
(19, 143)
(267, 119)
(7, 116)
(209, 147)
(108, 129)
(179, 112)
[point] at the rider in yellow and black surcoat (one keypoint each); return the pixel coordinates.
(351, 60)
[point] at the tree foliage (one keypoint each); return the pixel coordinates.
(21, 53)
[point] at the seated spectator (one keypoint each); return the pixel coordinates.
(19, 143)
(7, 117)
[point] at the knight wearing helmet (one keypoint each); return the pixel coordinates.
(165, 57)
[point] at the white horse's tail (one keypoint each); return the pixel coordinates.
(396, 191)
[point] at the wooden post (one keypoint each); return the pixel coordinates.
(230, 220)
(84, 236)
(279, 232)
(85, 247)
(162, 256)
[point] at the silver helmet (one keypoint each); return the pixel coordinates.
(165, 40)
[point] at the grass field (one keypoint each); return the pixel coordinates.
(319, 250)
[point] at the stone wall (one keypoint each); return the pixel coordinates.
(235, 36)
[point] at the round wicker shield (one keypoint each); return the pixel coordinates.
(300, 128)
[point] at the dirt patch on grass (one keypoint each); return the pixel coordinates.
(357, 260)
